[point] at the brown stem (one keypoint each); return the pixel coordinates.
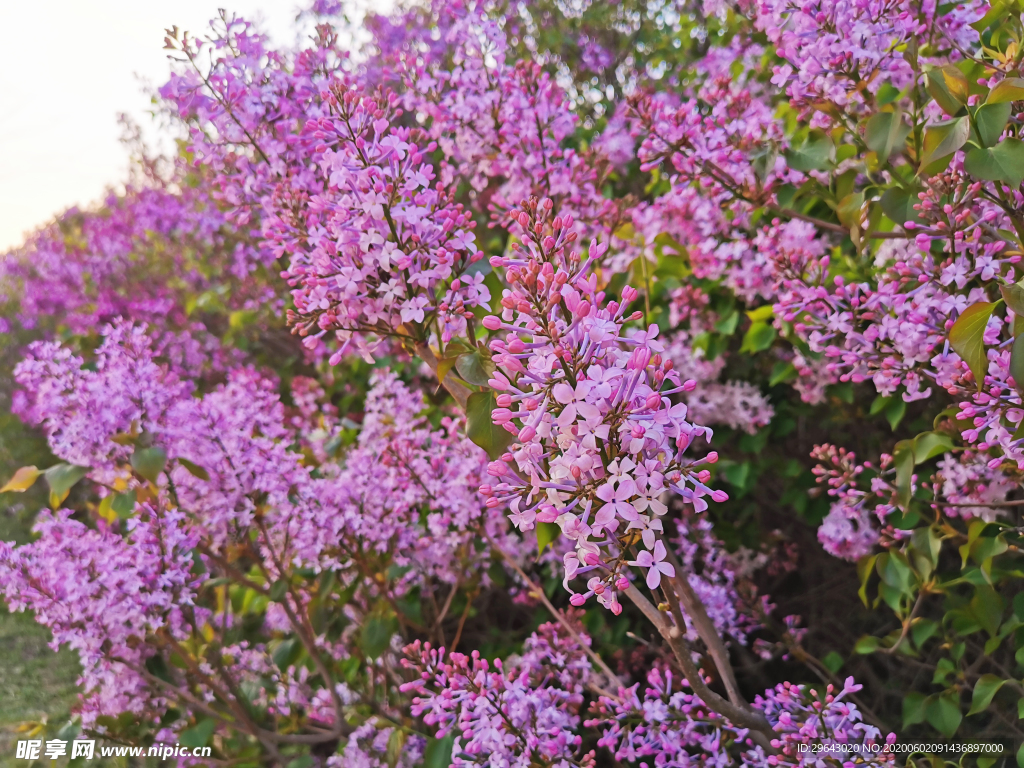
(760, 729)
(706, 629)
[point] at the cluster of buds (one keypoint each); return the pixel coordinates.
(599, 442)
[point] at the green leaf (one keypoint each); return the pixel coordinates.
(1013, 295)
(475, 367)
(758, 337)
(376, 634)
(1010, 89)
(287, 652)
(990, 120)
(884, 132)
(23, 479)
(1020, 756)
(61, 478)
(948, 86)
(867, 644)
(898, 204)
(895, 411)
(302, 761)
(927, 445)
(913, 708)
(149, 462)
(1017, 361)
(727, 325)
(967, 338)
(833, 662)
(278, 590)
(194, 469)
(984, 691)
(865, 567)
(849, 209)
(546, 533)
(943, 139)
(1003, 162)
(481, 430)
(444, 366)
(198, 735)
(943, 713)
(123, 504)
(782, 372)
(814, 154)
(438, 753)
(904, 461)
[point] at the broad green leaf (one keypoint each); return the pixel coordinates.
(943, 139)
(832, 661)
(904, 460)
(990, 120)
(1013, 295)
(984, 690)
(278, 590)
(376, 634)
(814, 154)
(867, 644)
(898, 204)
(23, 479)
(913, 708)
(1017, 361)
(149, 462)
(865, 567)
(849, 209)
(444, 366)
(757, 338)
(198, 735)
(1003, 162)
(123, 504)
(948, 86)
(781, 373)
(546, 533)
(475, 367)
(879, 404)
(481, 430)
(438, 753)
(895, 411)
(943, 713)
(287, 652)
(60, 478)
(967, 338)
(1020, 756)
(885, 132)
(930, 444)
(194, 469)
(1010, 89)
(762, 314)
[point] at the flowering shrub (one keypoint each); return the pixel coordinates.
(616, 384)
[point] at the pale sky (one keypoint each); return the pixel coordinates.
(67, 69)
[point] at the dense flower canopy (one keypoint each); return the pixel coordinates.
(520, 387)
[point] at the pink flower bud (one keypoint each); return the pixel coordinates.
(653, 401)
(592, 558)
(712, 457)
(622, 584)
(719, 496)
(504, 401)
(689, 385)
(486, 490)
(577, 599)
(492, 323)
(527, 434)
